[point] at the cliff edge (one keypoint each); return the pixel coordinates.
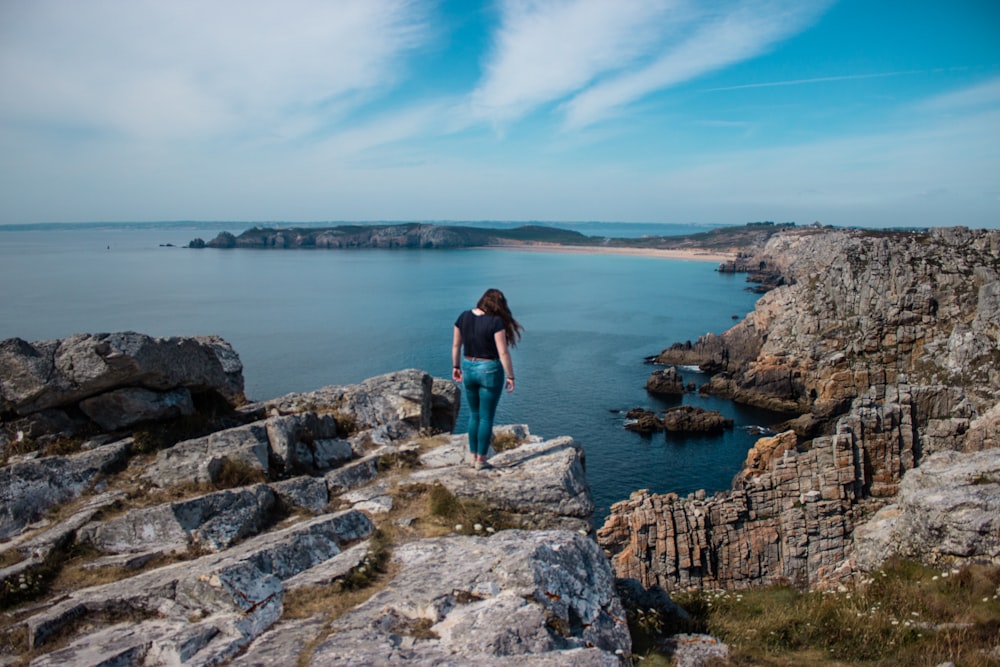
(150, 515)
(886, 344)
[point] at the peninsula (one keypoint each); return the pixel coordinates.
(715, 245)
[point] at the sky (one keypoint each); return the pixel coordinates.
(875, 113)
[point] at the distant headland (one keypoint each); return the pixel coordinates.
(716, 244)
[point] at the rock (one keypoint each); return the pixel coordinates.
(57, 373)
(666, 382)
(122, 408)
(692, 419)
(28, 489)
(307, 442)
(407, 401)
(545, 597)
(642, 421)
(543, 481)
(309, 493)
(947, 511)
(228, 598)
(202, 460)
(695, 650)
(212, 522)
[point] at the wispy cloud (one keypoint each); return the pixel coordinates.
(146, 69)
(984, 95)
(595, 57)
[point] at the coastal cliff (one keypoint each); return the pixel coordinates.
(150, 515)
(885, 344)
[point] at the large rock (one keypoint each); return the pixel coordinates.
(519, 597)
(117, 379)
(947, 512)
(692, 419)
(542, 481)
(405, 402)
(665, 382)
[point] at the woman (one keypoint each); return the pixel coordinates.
(480, 356)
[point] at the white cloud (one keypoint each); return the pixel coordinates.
(986, 94)
(147, 69)
(545, 50)
(598, 56)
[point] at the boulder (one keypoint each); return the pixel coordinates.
(692, 419)
(665, 382)
(642, 421)
(543, 482)
(58, 373)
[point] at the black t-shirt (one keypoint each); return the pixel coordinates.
(477, 334)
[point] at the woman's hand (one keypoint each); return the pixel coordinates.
(456, 374)
(510, 384)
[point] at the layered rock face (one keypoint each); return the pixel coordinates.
(886, 345)
(192, 554)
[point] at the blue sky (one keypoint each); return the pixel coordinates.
(853, 112)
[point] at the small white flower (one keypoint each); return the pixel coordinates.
(458, 527)
(477, 527)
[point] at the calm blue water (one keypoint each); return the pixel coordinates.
(305, 319)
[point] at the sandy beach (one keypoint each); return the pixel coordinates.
(684, 254)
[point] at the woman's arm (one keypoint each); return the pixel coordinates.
(456, 355)
(500, 338)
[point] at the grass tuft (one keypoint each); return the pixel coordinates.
(904, 614)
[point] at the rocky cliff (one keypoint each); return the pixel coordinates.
(341, 526)
(886, 345)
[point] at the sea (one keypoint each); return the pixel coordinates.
(304, 319)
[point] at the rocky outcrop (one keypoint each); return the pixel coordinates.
(665, 382)
(520, 597)
(680, 419)
(109, 382)
(204, 545)
(692, 419)
(948, 509)
(887, 345)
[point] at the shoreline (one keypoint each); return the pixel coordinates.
(662, 253)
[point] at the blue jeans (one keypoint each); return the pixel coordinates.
(483, 381)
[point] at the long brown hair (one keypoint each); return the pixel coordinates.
(494, 302)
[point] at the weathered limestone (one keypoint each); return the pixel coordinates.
(543, 481)
(29, 488)
(225, 599)
(543, 596)
(519, 597)
(59, 373)
(211, 522)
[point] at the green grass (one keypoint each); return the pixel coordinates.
(905, 614)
